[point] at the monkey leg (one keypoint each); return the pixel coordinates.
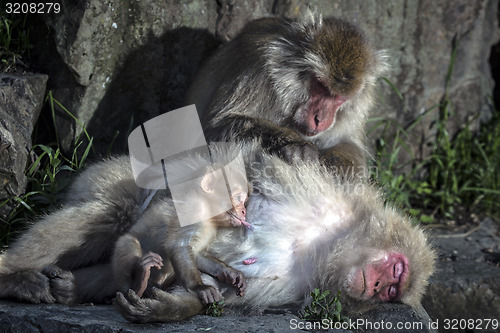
(95, 284)
(124, 261)
(220, 270)
(178, 304)
(26, 286)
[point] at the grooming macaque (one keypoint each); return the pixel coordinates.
(302, 88)
(66, 256)
(158, 240)
(309, 232)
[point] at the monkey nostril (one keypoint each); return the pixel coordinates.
(316, 119)
(377, 283)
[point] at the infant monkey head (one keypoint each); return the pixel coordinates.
(215, 184)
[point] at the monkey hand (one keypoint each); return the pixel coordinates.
(139, 310)
(235, 278)
(162, 307)
(296, 150)
(143, 271)
(207, 294)
(62, 284)
(345, 160)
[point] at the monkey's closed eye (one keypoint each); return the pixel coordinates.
(320, 87)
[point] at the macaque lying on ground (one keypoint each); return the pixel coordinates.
(309, 231)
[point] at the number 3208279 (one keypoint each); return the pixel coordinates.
(32, 8)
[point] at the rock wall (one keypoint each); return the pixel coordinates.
(21, 99)
(117, 63)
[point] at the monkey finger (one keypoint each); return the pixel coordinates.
(208, 294)
(123, 304)
(241, 286)
(156, 256)
(303, 151)
(151, 262)
(152, 257)
(133, 298)
(119, 299)
(160, 295)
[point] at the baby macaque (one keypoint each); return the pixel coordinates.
(177, 252)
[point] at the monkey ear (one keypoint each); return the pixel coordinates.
(208, 182)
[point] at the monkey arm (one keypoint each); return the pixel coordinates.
(282, 141)
(220, 270)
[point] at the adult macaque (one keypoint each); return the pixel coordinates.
(309, 232)
(66, 256)
(179, 249)
(302, 88)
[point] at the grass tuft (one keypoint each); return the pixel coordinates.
(323, 306)
(461, 172)
(14, 42)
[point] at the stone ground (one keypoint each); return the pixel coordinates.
(466, 284)
(17, 317)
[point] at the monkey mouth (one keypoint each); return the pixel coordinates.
(237, 221)
(394, 292)
(307, 131)
(401, 271)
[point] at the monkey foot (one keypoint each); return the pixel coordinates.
(62, 284)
